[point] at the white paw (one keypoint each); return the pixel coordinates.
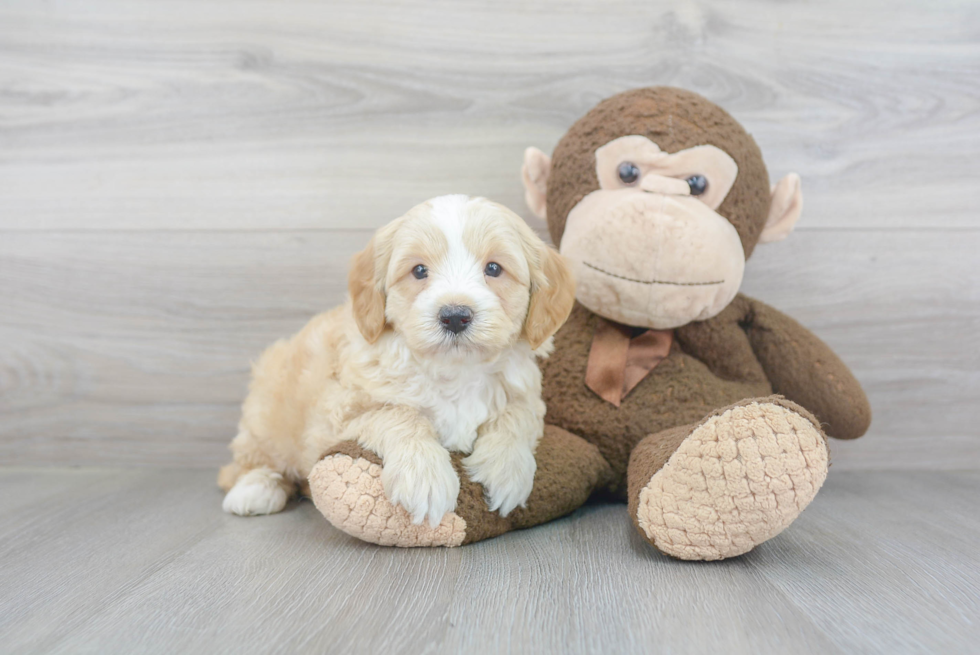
(259, 491)
(419, 476)
(506, 474)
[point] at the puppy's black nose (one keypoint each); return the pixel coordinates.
(455, 318)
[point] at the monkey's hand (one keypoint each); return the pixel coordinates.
(804, 369)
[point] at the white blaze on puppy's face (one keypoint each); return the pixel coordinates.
(458, 279)
(454, 300)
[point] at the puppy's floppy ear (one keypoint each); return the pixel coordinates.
(552, 295)
(366, 286)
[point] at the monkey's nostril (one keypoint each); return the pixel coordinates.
(455, 318)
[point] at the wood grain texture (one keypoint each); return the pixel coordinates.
(134, 348)
(145, 561)
(181, 183)
(187, 115)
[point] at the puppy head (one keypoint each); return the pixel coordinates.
(460, 275)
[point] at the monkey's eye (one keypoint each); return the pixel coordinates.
(420, 272)
(628, 172)
(493, 269)
(698, 184)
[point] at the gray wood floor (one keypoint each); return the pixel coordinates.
(144, 561)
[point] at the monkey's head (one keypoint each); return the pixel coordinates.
(658, 196)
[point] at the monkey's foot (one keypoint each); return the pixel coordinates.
(346, 487)
(736, 480)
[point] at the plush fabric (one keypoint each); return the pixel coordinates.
(670, 170)
(651, 259)
(675, 120)
(732, 482)
(346, 488)
(712, 364)
(720, 444)
(679, 391)
(619, 360)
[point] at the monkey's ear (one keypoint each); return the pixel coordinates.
(367, 294)
(552, 296)
(785, 207)
(535, 172)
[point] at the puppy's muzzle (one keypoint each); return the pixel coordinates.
(455, 318)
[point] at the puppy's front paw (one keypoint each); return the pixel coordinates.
(506, 474)
(419, 476)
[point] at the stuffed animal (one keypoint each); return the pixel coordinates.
(703, 409)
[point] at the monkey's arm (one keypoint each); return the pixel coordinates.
(804, 369)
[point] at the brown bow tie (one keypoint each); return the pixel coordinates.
(618, 361)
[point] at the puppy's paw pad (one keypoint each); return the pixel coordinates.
(358, 506)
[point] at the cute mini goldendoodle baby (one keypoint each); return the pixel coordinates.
(434, 351)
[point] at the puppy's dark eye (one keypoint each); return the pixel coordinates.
(420, 272)
(698, 184)
(628, 172)
(493, 269)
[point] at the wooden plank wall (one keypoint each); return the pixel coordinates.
(182, 182)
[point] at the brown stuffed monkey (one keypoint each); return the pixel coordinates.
(705, 410)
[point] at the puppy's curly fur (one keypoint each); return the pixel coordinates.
(384, 369)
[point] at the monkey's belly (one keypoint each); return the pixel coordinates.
(679, 391)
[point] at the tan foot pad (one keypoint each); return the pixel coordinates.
(738, 480)
(349, 494)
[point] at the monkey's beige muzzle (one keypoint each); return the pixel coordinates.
(652, 260)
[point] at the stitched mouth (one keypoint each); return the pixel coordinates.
(674, 284)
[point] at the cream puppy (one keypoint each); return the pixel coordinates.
(433, 352)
